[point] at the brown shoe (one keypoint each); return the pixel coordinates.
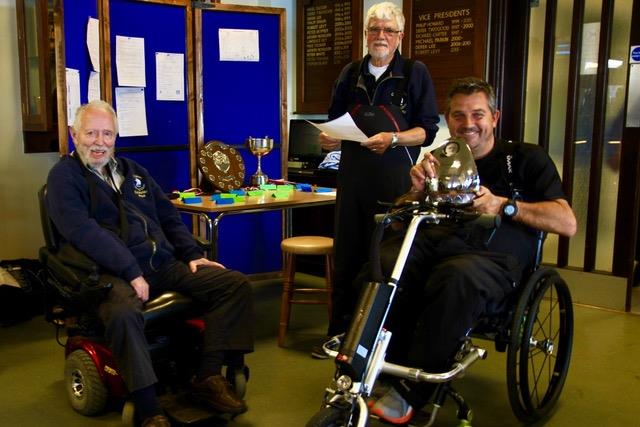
(156, 421)
(218, 394)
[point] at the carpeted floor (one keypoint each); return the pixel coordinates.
(286, 385)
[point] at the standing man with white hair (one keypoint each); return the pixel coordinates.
(392, 99)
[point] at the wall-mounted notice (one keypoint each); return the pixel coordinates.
(93, 42)
(327, 31)
(239, 45)
(450, 37)
(169, 76)
(132, 112)
(130, 65)
(73, 94)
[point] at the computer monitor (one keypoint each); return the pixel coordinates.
(304, 150)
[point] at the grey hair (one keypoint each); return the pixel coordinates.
(386, 10)
(99, 105)
(469, 86)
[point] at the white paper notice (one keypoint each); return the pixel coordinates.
(93, 42)
(93, 91)
(132, 114)
(169, 76)
(239, 45)
(342, 128)
(130, 61)
(73, 94)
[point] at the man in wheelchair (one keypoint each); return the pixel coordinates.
(112, 210)
(454, 275)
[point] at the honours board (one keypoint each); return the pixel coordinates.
(450, 37)
(329, 37)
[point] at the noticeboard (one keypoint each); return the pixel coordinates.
(450, 37)
(328, 38)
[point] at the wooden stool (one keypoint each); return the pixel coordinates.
(303, 245)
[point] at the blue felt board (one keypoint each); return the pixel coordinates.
(170, 169)
(163, 28)
(242, 99)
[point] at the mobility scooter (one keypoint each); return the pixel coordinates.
(91, 378)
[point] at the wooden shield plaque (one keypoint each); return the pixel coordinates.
(221, 165)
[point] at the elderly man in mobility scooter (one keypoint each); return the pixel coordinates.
(451, 275)
(112, 210)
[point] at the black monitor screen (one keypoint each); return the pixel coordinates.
(304, 148)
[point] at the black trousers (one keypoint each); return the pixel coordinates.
(364, 180)
(448, 282)
(225, 298)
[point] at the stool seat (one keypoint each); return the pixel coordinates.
(308, 245)
(303, 245)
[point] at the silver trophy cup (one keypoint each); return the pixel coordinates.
(259, 147)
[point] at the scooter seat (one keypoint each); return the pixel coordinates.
(169, 304)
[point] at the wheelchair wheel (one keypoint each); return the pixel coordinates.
(87, 394)
(541, 339)
(238, 378)
(330, 416)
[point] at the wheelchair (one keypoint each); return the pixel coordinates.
(172, 326)
(535, 328)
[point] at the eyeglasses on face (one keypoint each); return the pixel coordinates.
(93, 134)
(387, 31)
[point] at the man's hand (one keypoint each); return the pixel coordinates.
(193, 265)
(378, 143)
(328, 143)
(140, 285)
(487, 202)
(426, 169)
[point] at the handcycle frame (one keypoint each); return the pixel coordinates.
(360, 359)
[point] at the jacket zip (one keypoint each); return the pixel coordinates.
(154, 245)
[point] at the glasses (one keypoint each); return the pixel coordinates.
(93, 134)
(386, 31)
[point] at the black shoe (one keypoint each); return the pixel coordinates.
(333, 344)
(218, 394)
(156, 421)
(317, 352)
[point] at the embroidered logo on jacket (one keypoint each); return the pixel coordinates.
(139, 188)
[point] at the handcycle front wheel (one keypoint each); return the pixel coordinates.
(541, 339)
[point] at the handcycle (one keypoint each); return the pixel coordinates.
(535, 327)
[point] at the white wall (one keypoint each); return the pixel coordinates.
(21, 174)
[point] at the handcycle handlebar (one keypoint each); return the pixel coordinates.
(419, 212)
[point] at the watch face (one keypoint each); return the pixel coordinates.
(509, 209)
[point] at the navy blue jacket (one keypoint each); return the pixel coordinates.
(421, 107)
(155, 234)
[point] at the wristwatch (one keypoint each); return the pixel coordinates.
(509, 209)
(394, 139)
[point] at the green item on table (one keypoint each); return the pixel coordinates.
(285, 187)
